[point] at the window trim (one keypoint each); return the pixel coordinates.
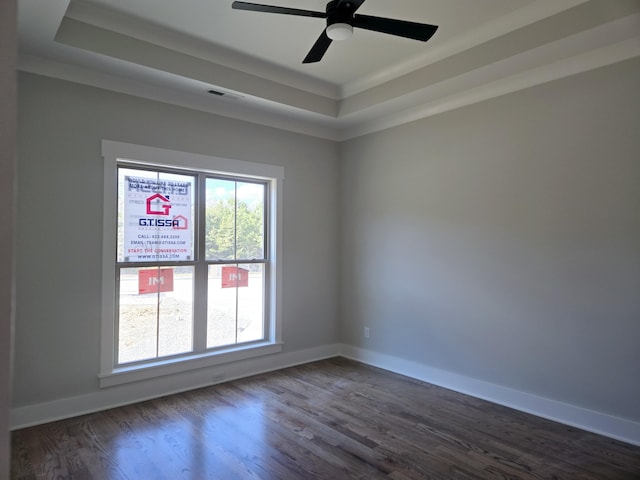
(112, 151)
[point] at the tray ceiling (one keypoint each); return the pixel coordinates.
(177, 51)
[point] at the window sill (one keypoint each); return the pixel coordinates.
(172, 366)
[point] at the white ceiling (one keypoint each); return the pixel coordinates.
(285, 40)
(174, 51)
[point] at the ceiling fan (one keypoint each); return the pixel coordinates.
(341, 18)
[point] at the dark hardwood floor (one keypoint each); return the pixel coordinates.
(335, 419)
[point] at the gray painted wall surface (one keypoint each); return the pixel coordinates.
(501, 241)
(60, 180)
(8, 107)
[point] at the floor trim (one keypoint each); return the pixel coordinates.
(613, 427)
(610, 426)
(116, 396)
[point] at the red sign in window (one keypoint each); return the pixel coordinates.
(234, 277)
(155, 280)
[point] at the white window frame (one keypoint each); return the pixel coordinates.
(112, 152)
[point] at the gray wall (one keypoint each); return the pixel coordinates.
(8, 47)
(501, 241)
(60, 181)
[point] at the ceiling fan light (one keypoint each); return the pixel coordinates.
(339, 31)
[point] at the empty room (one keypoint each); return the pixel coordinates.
(296, 239)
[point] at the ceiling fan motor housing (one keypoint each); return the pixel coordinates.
(344, 14)
(339, 20)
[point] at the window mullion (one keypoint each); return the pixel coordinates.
(201, 272)
(235, 252)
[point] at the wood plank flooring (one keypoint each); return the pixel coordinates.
(334, 419)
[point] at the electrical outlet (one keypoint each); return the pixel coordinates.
(366, 332)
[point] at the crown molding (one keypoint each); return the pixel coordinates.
(114, 61)
(602, 57)
(489, 31)
(154, 34)
(101, 41)
(247, 109)
(456, 93)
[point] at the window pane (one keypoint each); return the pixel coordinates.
(156, 313)
(251, 305)
(235, 304)
(220, 219)
(234, 220)
(155, 216)
(250, 221)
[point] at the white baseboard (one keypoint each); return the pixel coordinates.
(600, 423)
(30, 415)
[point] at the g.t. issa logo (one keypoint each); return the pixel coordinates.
(160, 205)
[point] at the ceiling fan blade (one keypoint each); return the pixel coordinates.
(256, 7)
(400, 28)
(319, 49)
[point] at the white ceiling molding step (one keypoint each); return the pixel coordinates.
(165, 51)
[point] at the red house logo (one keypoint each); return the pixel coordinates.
(180, 222)
(158, 205)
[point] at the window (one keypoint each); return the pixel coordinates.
(191, 261)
